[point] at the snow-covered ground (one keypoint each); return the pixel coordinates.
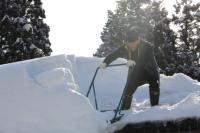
(47, 95)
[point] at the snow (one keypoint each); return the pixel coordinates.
(32, 46)
(27, 27)
(179, 96)
(20, 20)
(47, 95)
(5, 17)
(109, 83)
(37, 96)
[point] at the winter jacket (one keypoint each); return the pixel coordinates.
(143, 56)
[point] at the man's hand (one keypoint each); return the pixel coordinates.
(103, 66)
(130, 63)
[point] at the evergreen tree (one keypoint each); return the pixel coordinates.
(175, 51)
(153, 26)
(187, 19)
(163, 37)
(23, 34)
(129, 13)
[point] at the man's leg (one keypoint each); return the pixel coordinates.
(127, 97)
(133, 81)
(154, 90)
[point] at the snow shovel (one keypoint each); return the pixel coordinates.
(118, 114)
(93, 87)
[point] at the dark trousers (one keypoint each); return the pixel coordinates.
(136, 77)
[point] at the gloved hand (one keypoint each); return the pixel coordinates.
(103, 66)
(130, 63)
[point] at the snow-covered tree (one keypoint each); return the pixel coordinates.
(151, 20)
(187, 19)
(129, 13)
(176, 51)
(23, 33)
(163, 36)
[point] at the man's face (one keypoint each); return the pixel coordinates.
(133, 45)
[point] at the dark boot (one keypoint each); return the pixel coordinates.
(154, 96)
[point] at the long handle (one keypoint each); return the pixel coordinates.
(118, 110)
(113, 65)
(95, 97)
(92, 81)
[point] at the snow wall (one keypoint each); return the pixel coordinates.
(41, 96)
(109, 84)
(179, 94)
(48, 95)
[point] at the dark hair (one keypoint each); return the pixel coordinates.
(131, 36)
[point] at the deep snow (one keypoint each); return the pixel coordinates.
(39, 96)
(179, 96)
(47, 95)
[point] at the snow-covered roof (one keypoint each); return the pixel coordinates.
(48, 95)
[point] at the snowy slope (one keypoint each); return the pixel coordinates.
(38, 96)
(109, 84)
(179, 96)
(47, 95)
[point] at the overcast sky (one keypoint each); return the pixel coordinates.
(76, 24)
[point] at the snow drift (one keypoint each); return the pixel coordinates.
(110, 83)
(39, 96)
(179, 96)
(47, 95)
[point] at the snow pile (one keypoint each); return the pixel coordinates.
(187, 108)
(46, 95)
(109, 83)
(179, 96)
(38, 96)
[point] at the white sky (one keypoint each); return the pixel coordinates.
(76, 24)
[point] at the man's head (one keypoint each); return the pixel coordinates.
(132, 39)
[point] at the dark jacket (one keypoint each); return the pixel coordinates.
(143, 56)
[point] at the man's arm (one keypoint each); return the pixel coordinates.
(120, 52)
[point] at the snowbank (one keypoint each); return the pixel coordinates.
(38, 96)
(179, 96)
(110, 82)
(47, 95)
(179, 99)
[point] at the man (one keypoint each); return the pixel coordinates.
(142, 65)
